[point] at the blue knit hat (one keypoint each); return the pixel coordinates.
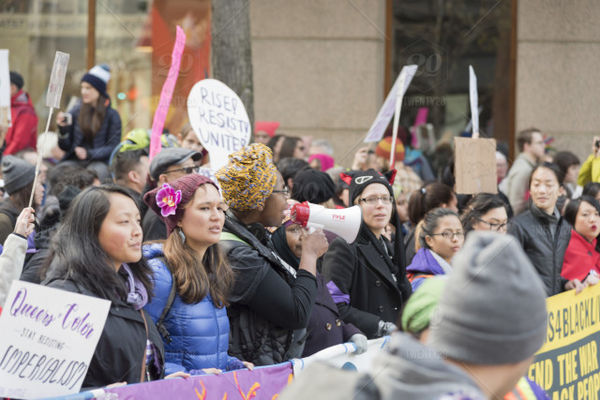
(98, 77)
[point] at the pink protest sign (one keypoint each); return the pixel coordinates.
(167, 93)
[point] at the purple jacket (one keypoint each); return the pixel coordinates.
(423, 266)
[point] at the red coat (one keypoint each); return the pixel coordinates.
(581, 256)
(23, 132)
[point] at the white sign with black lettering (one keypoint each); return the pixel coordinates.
(219, 119)
(47, 339)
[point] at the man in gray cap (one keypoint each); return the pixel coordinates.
(490, 321)
(168, 165)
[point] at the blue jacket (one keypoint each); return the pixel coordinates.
(199, 332)
(105, 140)
(423, 266)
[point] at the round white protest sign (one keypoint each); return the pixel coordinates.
(219, 119)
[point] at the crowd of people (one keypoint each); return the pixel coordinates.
(206, 276)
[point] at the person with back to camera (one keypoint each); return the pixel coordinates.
(91, 130)
(370, 274)
(271, 302)
(474, 350)
(190, 266)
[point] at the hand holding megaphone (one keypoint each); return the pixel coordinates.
(344, 223)
(314, 244)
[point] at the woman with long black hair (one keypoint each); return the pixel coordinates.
(97, 252)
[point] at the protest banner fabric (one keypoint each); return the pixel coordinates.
(567, 366)
(47, 339)
(219, 119)
(475, 165)
(261, 383)
(166, 94)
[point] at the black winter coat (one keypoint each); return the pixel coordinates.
(545, 250)
(104, 142)
(120, 351)
(255, 335)
(376, 283)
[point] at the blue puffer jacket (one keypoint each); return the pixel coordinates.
(199, 332)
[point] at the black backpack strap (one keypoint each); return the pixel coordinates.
(160, 322)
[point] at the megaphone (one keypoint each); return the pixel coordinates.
(343, 222)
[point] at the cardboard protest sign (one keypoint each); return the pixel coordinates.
(57, 79)
(568, 365)
(47, 339)
(219, 119)
(5, 117)
(473, 100)
(389, 105)
(475, 165)
(166, 93)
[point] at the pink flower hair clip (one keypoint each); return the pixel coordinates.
(168, 199)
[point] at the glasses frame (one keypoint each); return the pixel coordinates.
(376, 199)
(285, 191)
(448, 235)
(494, 227)
(193, 169)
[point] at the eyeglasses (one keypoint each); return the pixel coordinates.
(285, 191)
(186, 170)
(449, 235)
(373, 200)
(501, 227)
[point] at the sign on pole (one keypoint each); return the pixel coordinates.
(5, 116)
(219, 119)
(389, 105)
(57, 79)
(47, 339)
(166, 94)
(473, 100)
(475, 165)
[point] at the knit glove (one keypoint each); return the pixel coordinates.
(360, 342)
(385, 328)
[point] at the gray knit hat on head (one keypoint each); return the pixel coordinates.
(493, 309)
(17, 173)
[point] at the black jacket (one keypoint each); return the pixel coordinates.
(104, 142)
(261, 330)
(376, 283)
(120, 351)
(545, 249)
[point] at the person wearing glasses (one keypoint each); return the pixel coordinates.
(485, 212)
(441, 236)
(270, 302)
(170, 164)
(542, 232)
(368, 277)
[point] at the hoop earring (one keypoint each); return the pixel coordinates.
(181, 235)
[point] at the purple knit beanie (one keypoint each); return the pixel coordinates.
(168, 200)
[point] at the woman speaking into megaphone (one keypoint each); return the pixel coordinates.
(370, 273)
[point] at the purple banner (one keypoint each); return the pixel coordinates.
(262, 383)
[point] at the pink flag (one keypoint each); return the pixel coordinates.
(166, 94)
